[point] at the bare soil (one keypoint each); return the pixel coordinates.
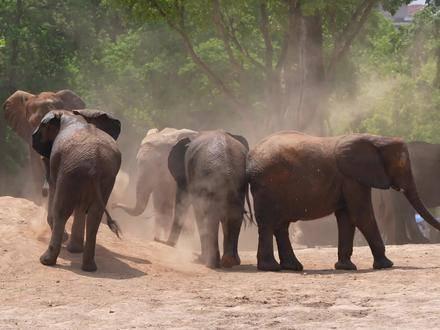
(142, 284)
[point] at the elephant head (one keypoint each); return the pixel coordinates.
(24, 111)
(381, 162)
(46, 133)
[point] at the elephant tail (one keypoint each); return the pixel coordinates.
(112, 224)
(250, 217)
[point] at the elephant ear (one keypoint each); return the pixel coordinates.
(70, 100)
(15, 114)
(45, 134)
(240, 139)
(176, 162)
(102, 120)
(359, 158)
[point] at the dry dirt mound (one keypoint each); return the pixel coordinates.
(145, 284)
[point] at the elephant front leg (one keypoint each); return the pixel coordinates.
(361, 211)
(76, 241)
(288, 259)
(212, 250)
(346, 229)
(265, 258)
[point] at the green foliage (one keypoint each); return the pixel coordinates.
(126, 57)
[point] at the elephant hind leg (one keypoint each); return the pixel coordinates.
(76, 241)
(208, 227)
(346, 229)
(288, 259)
(60, 211)
(93, 221)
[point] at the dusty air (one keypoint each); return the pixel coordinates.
(219, 164)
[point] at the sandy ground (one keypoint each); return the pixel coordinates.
(142, 284)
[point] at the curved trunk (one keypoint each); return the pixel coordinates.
(143, 192)
(414, 199)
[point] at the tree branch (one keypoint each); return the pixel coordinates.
(239, 106)
(240, 48)
(350, 32)
(265, 31)
(287, 35)
(224, 35)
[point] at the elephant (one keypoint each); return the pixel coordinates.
(84, 161)
(294, 176)
(23, 112)
(395, 215)
(154, 177)
(209, 170)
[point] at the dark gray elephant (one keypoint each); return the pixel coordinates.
(294, 176)
(23, 112)
(394, 214)
(84, 162)
(210, 173)
(154, 177)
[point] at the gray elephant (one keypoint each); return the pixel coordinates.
(23, 112)
(154, 177)
(84, 162)
(395, 215)
(210, 173)
(294, 176)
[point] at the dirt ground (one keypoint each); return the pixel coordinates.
(142, 284)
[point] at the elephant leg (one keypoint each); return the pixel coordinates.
(61, 209)
(76, 241)
(93, 221)
(346, 229)
(212, 259)
(182, 203)
(288, 259)
(265, 258)
(361, 211)
(163, 214)
(201, 216)
(231, 232)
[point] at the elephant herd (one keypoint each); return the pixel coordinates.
(291, 176)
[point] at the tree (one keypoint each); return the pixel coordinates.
(288, 51)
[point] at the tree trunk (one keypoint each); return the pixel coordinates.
(304, 76)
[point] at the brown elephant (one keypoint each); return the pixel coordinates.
(154, 177)
(395, 215)
(23, 112)
(84, 162)
(294, 176)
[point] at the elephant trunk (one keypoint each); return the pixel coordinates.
(143, 192)
(414, 199)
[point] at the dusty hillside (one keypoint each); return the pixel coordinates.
(144, 284)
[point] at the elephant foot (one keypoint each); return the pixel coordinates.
(383, 262)
(268, 266)
(48, 258)
(89, 266)
(213, 264)
(230, 261)
(345, 265)
(294, 265)
(74, 247)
